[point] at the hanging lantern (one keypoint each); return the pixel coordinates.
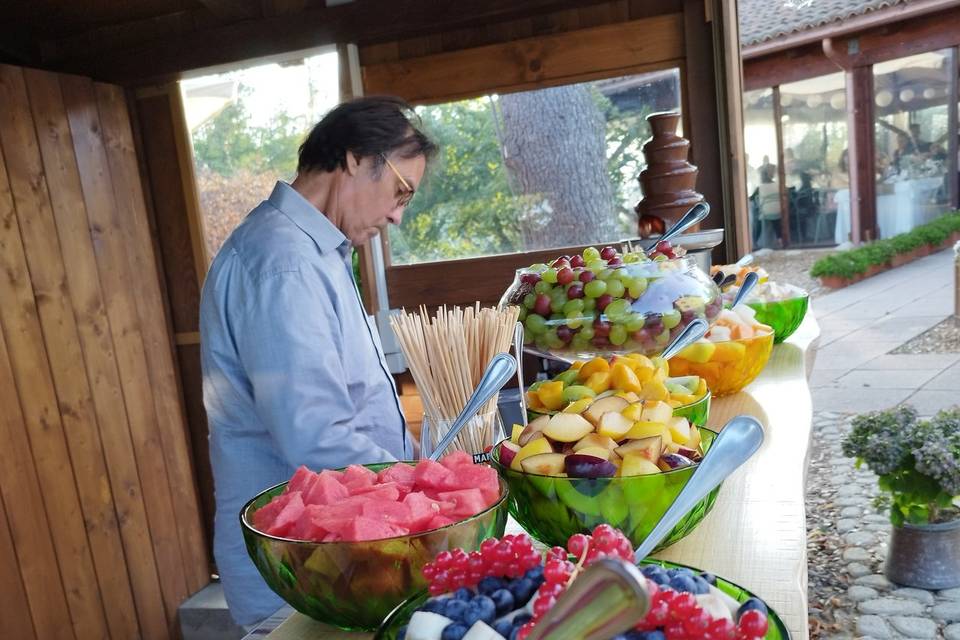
(838, 101)
(929, 93)
(884, 98)
(907, 95)
(786, 99)
(814, 101)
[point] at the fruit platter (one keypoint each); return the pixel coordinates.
(633, 377)
(606, 302)
(781, 306)
(504, 589)
(345, 547)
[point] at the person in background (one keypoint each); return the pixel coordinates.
(293, 370)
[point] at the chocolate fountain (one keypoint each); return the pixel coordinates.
(668, 181)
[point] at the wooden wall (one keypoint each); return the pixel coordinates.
(100, 533)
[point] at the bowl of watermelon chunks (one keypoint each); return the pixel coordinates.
(346, 546)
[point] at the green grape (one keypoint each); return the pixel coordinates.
(542, 287)
(573, 306)
(536, 324)
(595, 288)
(529, 300)
(634, 322)
(589, 304)
(567, 377)
(618, 334)
(586, 333)
(553, 341)
(638, 287)
(615, 288)
(574, 319)
(557, 302)
(661, 258)
(550, 275)
(555, 317)
(523, 314)
(617, 310)
(542, 343)
(590, 254)
(528, 336)
(579, 342)
(629, 258)
(538, 268)
(623, 275)
(663, 338)
(606, 274)
(670, 319)
(597, 266)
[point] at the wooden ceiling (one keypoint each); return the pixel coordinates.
(135, 42)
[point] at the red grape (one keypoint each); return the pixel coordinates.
(575, 291)
(530, 278)
(615, 262)
(608, 253)
(576, 261)
(587, 276)
(603, 301)
(542, 305)
(565, 276)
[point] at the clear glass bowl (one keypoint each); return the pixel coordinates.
(776, 630)
(646, 304)
(728, 366)
(551, 509)
(354, 585)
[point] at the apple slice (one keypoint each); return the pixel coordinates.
(657, 411)
(567, 427)
(508, 451)
(643, 429)
(614, 425)
(650, 448)
(534, 448)
(595, 440)
(544, 464)
(515, 433)
(695, 437)
(533, 430)
(604, 405)
(636, 465)
(597, 452)
(634, 411)
(679, 429)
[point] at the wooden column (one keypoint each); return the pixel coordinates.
(781, 171)
(862, 154)
(953, 128)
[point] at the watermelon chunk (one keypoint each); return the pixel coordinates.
(363, 528)
(433, 475)
(395, 513)
(339, 511)
(456, 459)
(309, 526)
(326, 490)
(288, 516)
(356, 476)
(403, 474)
(439, 521)
(467, 502)
(423, 509)
(379, 492)
(482, 477)
(301, 481)
(265, 515)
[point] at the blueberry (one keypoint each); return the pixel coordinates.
(514, 633)
(503, 600)
(456, 609)
(503, 628)
(463, 594)
(481, 608)
(647, 635)
(435, 605)
(683, 583)
(454, 632)
(657, 574)
(521, 619)
(751, 604)
(535, 573)
(522, 590)
(702, 586)
(490, 584)
(709, 578)
(402, 632)
(683, 571)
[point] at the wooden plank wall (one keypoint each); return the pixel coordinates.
(100, 533)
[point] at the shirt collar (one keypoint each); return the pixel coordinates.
(306, 216)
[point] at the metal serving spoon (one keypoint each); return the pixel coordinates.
(749, 282)
(498, 372)
(518, 351)
(690, 334)
(696, 213)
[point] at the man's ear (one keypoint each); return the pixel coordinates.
(353, 163)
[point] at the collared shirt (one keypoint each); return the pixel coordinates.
(293, 373)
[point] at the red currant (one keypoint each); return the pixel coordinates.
(696, 625)
(429, 571)
(542, 605)
(443, 560)
(675, 631)
(658, 615)
(577, 544)
(524, 631)
(722, 629)
(556, 572)
(684, 605)
(753, 623)
(558, 553)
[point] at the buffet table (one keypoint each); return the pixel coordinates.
(756, 533)
(899, 211)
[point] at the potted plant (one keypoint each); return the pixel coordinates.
(918, 465)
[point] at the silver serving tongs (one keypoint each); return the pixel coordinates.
(696, 213)
(607, 598)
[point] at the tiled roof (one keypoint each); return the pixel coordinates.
(763, 20)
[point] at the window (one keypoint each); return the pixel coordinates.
(760, 143)
(536, 169)
(246, 127)
(911, 129)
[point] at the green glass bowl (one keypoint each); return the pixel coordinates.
(696, 412)
(399, 617)
(553, 508)
(354, 585)
(784, 315)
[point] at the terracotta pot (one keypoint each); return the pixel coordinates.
(955, 237)
(900, 259)
(834, 282)
(925, 556)
(874, 269)
(923, 251)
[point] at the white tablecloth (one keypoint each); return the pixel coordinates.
(897, 212)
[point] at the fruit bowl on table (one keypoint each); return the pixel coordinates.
(393, 627)
(552, 508)
(730, 356)
(355, 584)
(784, 314)
(605, 302)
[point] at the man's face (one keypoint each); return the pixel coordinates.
(378, 196)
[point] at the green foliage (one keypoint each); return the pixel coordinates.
(849, 264)
(917, 461)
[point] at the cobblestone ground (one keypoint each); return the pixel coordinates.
(846, 544)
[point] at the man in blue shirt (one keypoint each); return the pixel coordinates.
(293, 370)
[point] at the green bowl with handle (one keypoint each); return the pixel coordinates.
(551, 508)
(399, 617)
(354, 585)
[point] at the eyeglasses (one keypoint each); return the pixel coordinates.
(404, 197)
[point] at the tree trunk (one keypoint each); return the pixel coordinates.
(554, 147)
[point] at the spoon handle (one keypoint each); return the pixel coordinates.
(696, 213)
(749, 282)
(518, 351)
(745, 260)
(690, 334)
(738, 441)
(498, 372)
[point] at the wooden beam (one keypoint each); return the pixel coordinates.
(232, 10)
(532, 62)
(861, 145)
(953, 129)
(781, 170)
(786, 66)
(164, 52)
